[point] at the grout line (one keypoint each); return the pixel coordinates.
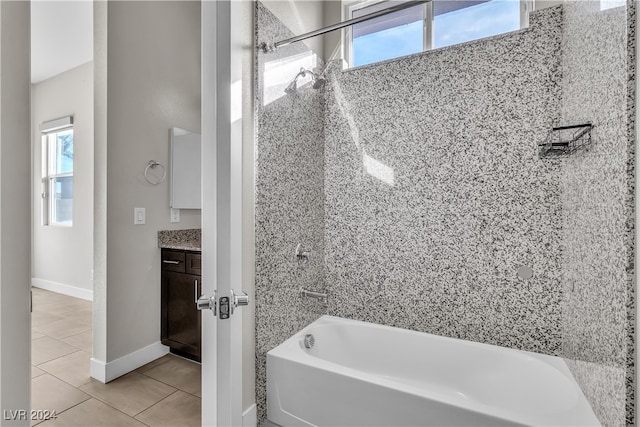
(147, 370)
(164, 398)
(113, 407)
(91, 396)
(171, 385)
(55, 358)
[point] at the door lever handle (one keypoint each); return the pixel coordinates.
(206, 303)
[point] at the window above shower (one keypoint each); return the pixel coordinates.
(427, 26)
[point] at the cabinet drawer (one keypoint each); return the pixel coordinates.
(194, 264)
(173, 261)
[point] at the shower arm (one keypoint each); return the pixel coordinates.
(266, 48)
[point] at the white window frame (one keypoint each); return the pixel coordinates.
(47, 129)
(349, 6)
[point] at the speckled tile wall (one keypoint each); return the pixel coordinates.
(435, 195)
(417, 185)
(594, 205)
(631, 207)
(289, 195)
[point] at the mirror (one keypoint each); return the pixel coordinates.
(185, 192)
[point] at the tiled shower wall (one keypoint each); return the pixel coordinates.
(435, 195)
(417, 185)
(597, 275)
(289, 194)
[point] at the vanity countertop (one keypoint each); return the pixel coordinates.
(187, 240)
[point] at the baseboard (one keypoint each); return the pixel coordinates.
(61, 288)
(105, 372)
(250, 417)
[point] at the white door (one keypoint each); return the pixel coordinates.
(221, 216)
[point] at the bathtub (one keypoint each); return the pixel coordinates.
(362, 374)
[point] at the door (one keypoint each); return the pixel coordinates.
(221, 216)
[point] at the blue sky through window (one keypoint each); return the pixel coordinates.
(392, 43)
(476, 22)
(470, 23)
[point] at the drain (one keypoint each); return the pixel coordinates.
(309, 341)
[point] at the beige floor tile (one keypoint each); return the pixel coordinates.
(72, 368)
(63, 328)
(92, 413)
(155, 363)
(84, 315)
(59, 308)
(46, 348)
(179, 409)
(50, 394)
(36, 372)
(42, 318)
(179, 373)
(42, 297)
(82, 341)
(35, 334)
(131, 394)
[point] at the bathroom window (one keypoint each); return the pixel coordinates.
(426, 26)
(610, 4)
(57, 172)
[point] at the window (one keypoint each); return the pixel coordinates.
(610, 4)
(431, 25)
(57, 172)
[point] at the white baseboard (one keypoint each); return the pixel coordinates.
(250, 417)
(105, 372)
(61, 288)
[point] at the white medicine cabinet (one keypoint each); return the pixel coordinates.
(186, 188)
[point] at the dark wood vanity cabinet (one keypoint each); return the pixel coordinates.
(181, 287)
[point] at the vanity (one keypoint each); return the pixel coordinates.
(181, 271)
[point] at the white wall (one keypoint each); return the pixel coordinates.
(62, 257)
(15, 229)
(100, 54)
(152, 83)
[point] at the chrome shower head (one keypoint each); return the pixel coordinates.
(292, 87)
(317, 81)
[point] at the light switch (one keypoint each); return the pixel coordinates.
(175, 215)
(138, 216)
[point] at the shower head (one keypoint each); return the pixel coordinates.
(317, 81)
(292, 87)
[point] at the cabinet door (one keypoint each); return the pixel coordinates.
(180, 318)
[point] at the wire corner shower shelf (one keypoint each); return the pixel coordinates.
(565, 140)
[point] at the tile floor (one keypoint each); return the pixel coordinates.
(165, 392)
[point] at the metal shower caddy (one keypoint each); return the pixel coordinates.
(565, 140)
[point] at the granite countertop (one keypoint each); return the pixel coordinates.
(188, 240)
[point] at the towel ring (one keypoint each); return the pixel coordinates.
(152, 165)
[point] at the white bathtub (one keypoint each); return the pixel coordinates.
(362, 374)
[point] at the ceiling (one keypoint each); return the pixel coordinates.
(61, 36)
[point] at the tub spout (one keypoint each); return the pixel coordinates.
(305, 293)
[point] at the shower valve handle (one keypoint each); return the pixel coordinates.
(302, 254)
